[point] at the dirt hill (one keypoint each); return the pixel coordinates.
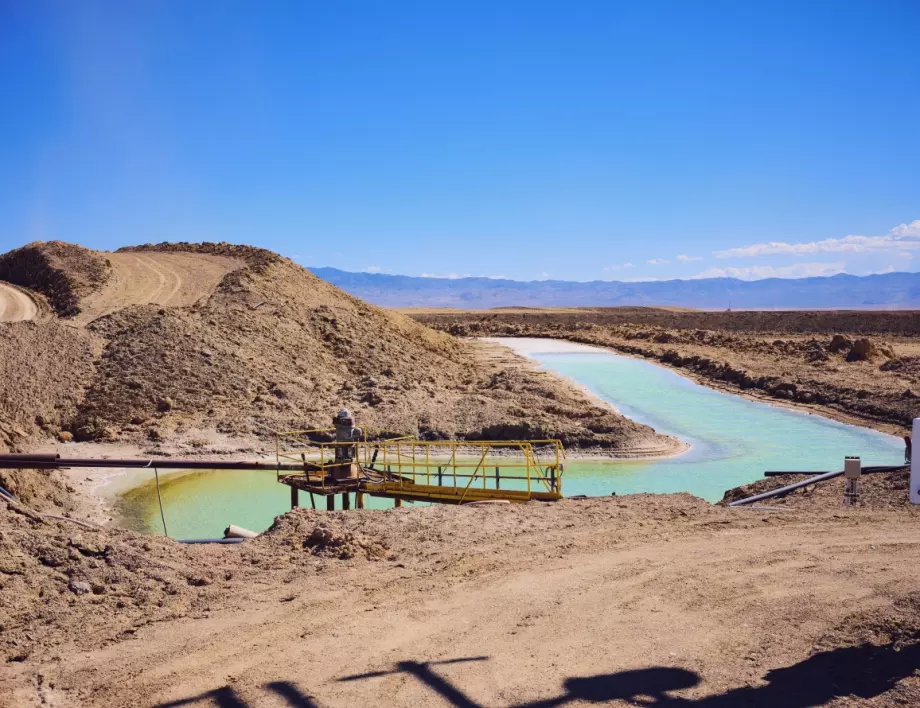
(44, 370)
(244, 341)
(65, 273)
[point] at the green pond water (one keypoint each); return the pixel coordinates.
(733, 442)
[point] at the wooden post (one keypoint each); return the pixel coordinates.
(295, 500)
(397, 502)
(330, 502)
(359, 500)
(498, 482)
(346, 501)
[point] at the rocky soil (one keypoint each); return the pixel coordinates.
(862, 367)
(267, 347)
(45, 368)
(587, 601)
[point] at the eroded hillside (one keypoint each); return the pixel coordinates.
(267, 346)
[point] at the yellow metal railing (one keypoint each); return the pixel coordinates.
(318, 456)
(395, 463)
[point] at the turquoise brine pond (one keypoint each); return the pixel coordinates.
(733, 441)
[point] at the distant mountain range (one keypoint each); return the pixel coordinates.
(888, 291)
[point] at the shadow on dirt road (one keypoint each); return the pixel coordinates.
(863, 672)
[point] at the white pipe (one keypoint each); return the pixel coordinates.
(915, 467)
(238, 532)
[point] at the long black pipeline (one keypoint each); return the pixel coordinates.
(40, 462)
(873, 469)
(38, 457)
(811, 480)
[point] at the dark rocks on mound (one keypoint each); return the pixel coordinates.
(840, 343)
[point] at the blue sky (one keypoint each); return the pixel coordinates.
(568, 140)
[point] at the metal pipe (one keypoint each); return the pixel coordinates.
(238, 532)
(39, 457)
(8, 494)
(780, 473)
(11, 461)
(30, 465)
(787, 488)
(874, 469)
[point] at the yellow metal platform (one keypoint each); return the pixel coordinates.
(403, 468)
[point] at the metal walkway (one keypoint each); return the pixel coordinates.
(403, 468)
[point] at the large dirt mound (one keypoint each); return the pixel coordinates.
(63, 272)
(276, 348)
(44, 367)
(170, 279)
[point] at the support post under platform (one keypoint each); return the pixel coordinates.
(359, 500)
(346, 501)
(295, 497)
(330, 502)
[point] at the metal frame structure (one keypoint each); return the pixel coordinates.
(443, 471)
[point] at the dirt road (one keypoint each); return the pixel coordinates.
(577, 603)
(175, 279)
(15, 304)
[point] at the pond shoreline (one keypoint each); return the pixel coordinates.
(733, 441)
(100, 491)
(565, 345)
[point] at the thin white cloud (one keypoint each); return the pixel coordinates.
(372, 269)
(905, 237)
(457, 276)
(656, 261)
(543, 276)
(685, 259)
(619, 267)
(759, 272)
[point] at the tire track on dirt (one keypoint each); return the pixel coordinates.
(16, 305)
(170, 279)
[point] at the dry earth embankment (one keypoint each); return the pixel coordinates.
(598, 600)
(188, 339)
(862, 367)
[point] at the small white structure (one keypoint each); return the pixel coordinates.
(915, 467)
(852, 470)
